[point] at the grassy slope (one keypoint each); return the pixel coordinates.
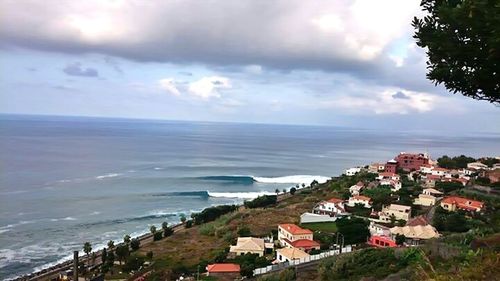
(185, 249)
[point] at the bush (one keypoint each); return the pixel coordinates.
(168, 231)
(244, 231)
(261, 201)
(189, 223)
(157, 236)
(133, 263)
(354, 230)
(212, 213)
(448, 187)
(455, 162)
(135, 244)
(207, 230)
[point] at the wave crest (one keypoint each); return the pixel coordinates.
(297, 179)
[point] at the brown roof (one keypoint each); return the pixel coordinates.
(463, 203)
(420, 220)
(223, 267)
(361, 197)
(335, 200)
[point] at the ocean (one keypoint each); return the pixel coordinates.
(68, 180)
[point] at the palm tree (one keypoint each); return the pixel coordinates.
(126, 239)
(297, 186)
(152, 229)
(303, 185)
(111, 244)
(164, 225)
(183, 218)
(87, 248)
(284, 190)
(277, 191)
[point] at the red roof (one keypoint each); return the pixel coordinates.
(304, 243)
(335, 200)
(463, 203)
(440, 169)
(433, 177)
(223, 267)
(295, 229)
(361, 197)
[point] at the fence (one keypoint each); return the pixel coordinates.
(311, 258)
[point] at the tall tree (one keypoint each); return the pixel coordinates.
(87, 248)
(462, 38)
(126, 239)
(111, 244)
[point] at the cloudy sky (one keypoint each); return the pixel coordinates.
(343, 63)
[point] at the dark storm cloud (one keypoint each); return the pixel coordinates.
(76, 69)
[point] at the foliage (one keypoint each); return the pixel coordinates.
(126, 239)
(326, 240)
(381, 195)
(261, 201)
(359, 210)
(111, 244)
(285, 275)
(189, 223)
(152, 229)
(104, 255)
(450, 221)
(249, 262)
(400, 239)
(157, 236)
(489, 161)
(135, 244)
(212, 213)
(87, 248)
(457, 162)
(183, 218)
(462, 39)
(448, 187)
(354, 230)
(133, 263)
(244, 232)
(293, 190)
(122, 252)
(376, 263)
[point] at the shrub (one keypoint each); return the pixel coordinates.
(157, 236)
(133, 263)
(261, 201)
(244, 231)
(189, 223)
(212, 213)
(135, 244)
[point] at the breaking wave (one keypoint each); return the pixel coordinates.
(294, 179)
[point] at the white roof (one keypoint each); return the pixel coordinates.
(292, 253)
(248, 244)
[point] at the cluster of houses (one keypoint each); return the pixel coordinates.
(297, 243)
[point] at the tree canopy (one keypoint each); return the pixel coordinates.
(462, 39)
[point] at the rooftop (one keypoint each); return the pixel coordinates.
(463, 203)
(361, 197)
(292, 253)
(304, 243)
(295, 229)
(223, 267)
(416, 232)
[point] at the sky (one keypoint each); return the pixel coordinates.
(339, 63)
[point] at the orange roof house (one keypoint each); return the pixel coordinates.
(305, 245)
(224, 270)
(452, 203)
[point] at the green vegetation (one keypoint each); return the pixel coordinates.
(448, 187)
(330, 227)
(457, 162)
(461, 40)
(450, 221)
(354, 230)
(212, 213)
(285, 275)
(87, 248)
(381, 195)
(249, 262)
(135, 244)
(262, 201)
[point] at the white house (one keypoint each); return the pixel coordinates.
(400, 212)
(379, 230)
(395, 184)
(360, 199)
(290, 254)
(356, 189)
(352, 171)
(311, 217)
(330, 207)
(388, 176)
(426, 168)
(477, 166)
(288, 233)
(437, 171)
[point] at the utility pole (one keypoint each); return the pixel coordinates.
(75, 265)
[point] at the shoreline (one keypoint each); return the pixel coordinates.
(144, 239)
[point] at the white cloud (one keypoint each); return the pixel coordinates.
(204, 88)
(209, 87)
(169, 85)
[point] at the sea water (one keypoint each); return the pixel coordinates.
(68, 180)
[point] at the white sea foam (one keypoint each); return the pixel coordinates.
(110, 175)
(242, 195)
(158, 168)
(297, 179)
(64, 219)
(95, 213)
